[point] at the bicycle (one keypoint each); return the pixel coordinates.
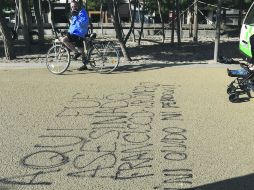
(102, 56)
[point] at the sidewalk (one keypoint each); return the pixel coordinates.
(191, 64)
(21, 65)
(151, 54)
(30, 65)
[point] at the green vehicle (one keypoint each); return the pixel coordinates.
(246, 32)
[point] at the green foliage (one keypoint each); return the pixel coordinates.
(231, 3)
(168, 4)
(94, 5)
(8, 4)
(152, 4)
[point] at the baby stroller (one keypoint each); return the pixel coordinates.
(243, 83)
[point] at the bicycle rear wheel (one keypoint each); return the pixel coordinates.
(58, 59)
(103, 59)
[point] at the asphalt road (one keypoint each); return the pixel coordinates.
(155, 128)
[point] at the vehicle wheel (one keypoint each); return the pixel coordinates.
(58, 59)
(234, 98)
(103, 59)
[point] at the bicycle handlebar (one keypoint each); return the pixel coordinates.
(59, 31)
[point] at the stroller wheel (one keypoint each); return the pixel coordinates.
(230, 90)
(234, 98)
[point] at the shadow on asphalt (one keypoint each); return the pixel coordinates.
(148, 67)
(76, 72)
(187, 51)
(132, 68)
(238, 183)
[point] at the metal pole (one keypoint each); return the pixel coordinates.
(195, 27)
(40, 8)
(101, 18)
(217, 35)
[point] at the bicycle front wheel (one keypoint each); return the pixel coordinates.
(58, 59)
(103, 59)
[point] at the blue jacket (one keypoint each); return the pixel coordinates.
(79, 24)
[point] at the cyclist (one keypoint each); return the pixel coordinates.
(79, 22)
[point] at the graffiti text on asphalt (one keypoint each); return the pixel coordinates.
(117, 140)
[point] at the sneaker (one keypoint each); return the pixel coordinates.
(76, 55)
(82, 68)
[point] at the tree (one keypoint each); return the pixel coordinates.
(240, 14)
(132, 18)
(173, 23)
(24, 23)
(195, 27)
(190, 17)
(162, 20)
(8, 47)
(142, 22)
(178, 22)
(39, 21)
(113, 10)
